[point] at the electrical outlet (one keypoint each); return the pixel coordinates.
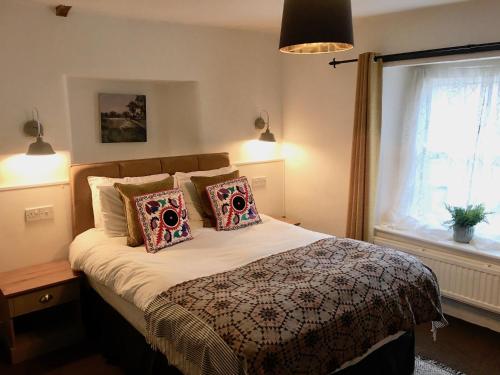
(259, 182)
(39, 213)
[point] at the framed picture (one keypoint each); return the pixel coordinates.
(123, 118)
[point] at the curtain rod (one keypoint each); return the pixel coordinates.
(447, 51)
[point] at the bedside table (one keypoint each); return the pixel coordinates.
(40, 309)
(287, 220)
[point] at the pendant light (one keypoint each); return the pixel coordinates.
(316, 26)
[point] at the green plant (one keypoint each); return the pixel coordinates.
(468, 216)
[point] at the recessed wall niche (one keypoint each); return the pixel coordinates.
(173, 119)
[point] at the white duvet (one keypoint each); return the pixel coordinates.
(138, 276)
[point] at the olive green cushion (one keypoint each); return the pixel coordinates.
(201, 183)
(127, 194)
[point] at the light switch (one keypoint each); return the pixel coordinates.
(259, 182)
(39, 213)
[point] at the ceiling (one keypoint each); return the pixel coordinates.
(244, 14)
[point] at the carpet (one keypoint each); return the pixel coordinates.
(430, 367)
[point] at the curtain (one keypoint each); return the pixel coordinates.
(365, 149)
(449, 151)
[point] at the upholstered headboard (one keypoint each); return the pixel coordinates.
(81, 197)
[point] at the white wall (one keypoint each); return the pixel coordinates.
(237, 73)
(25, 244)
(232, 75)
(174, 123)
(318, 102)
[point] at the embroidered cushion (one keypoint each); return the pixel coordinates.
(127, 194)
(233, 204)
(163, 218)
(201, 183)
(193, 202)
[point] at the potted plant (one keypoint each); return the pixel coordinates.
(463, 220)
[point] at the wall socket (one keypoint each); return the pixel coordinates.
(259, 182)
(39, 213)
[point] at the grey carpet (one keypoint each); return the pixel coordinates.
(429, 367)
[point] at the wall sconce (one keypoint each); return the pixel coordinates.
(35, 129)
(260, 124)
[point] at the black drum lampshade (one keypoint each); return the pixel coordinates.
(316, 26)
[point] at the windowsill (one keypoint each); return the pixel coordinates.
(443, 244)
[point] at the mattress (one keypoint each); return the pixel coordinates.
(135, 317)
(139, 277)
(131, 313)
(129, 278)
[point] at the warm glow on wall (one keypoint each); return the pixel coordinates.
(293, 153)
(256, 150)
(22, 170)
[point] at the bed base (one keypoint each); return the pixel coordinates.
(123, 345)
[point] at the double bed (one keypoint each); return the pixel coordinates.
(296, 279)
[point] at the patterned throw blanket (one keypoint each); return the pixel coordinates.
(304, 311)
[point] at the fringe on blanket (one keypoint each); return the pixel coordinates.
(188, 343)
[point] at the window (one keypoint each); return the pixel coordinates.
(447, 149)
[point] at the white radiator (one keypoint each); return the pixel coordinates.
(462, 277)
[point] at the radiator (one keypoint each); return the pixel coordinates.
(466, 278)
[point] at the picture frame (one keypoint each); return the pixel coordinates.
(123, 118)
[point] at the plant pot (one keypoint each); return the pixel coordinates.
(463, 234)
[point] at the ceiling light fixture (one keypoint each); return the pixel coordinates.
(316, 26)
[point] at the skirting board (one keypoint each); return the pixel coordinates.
(471, 314)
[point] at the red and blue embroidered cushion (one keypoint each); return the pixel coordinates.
(164, 219)
(233, 204)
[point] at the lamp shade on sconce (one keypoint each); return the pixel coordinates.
(316, 26)
(40, 148)
(267, 136)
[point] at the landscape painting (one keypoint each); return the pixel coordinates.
(123, 118)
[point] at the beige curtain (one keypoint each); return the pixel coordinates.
(365, 149)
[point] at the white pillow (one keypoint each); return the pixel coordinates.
(95, 182)
(191, 198)
(113, 216)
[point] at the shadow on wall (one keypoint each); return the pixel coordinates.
(173, 119)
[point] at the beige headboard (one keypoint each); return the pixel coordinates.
(81, 198)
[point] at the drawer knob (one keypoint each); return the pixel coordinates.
(46, 298)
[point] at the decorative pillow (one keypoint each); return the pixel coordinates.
(114, 221)
(97, 181)
(233, 204)
(193, 203)
(201, 183)
(163, 218)
(128, 192)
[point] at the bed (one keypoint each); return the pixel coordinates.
(131, 293)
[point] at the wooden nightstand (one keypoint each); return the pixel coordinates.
(287, 220)
(40, 309)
